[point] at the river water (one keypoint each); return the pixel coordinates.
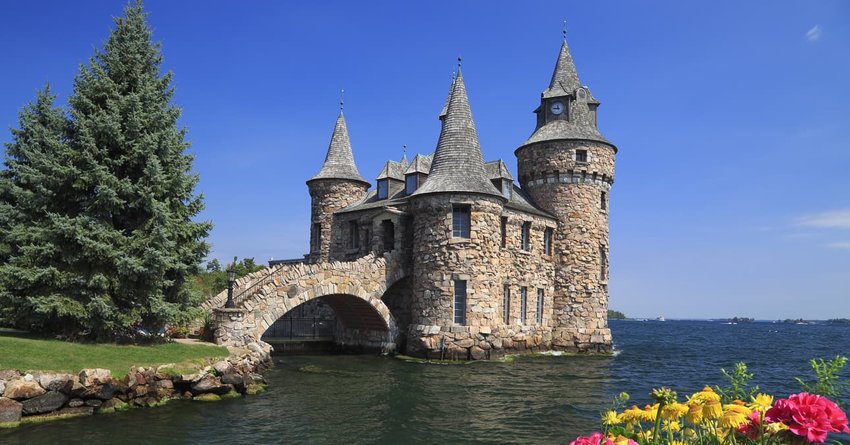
(368, 399)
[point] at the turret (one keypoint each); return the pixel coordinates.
(456, 215)
(567, 167)
(337, 185)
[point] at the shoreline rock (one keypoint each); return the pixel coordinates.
(40, 396)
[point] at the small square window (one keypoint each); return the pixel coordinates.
(460, 221)
(581, 155)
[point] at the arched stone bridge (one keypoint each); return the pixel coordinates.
(353, 289)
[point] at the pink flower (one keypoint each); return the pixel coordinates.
(593, 439)
(808, 415)
(752, 428)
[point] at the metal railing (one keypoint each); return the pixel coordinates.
(300, 328)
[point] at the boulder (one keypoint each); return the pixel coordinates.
(223, 367)
(95, 376)
(2, 386)
(9, 374)
(102, 392)
(50, 401)
(477, 353)
(10, 410)
(21, 389)
(55, 382)
(94, 403)
(165, 384)
(210, 384)
(74, 403)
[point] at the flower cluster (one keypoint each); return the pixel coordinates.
(704, 419)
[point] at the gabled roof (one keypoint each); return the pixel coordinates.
(458, 165)
(420, 164)
(521, 201)
(393, 170)
(339, 161)
(497, 169)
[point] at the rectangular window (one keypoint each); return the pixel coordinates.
(504, 240)
(603, 264)
(547, 241)
(603, 204)
(353, 234)
(523, 304)
(539, 306)
(506, 304)
(316, 242)
(410, 184)
(383, 188)
(460, 302)
(581, 155)
(460, 221)
(526, 236)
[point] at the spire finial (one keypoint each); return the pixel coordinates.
(404, 150)
(459, 60)
(565, 30)
(341, 99)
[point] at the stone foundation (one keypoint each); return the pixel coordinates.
(476, 343)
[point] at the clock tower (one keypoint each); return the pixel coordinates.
(567, 167)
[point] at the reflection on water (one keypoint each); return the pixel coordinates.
(546, 400)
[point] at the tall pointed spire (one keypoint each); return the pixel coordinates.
(339, 162)
(458, 165)
(565, 77)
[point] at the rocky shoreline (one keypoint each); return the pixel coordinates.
(36, 396)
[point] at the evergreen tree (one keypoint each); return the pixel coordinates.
(34, 188)
(128, 242)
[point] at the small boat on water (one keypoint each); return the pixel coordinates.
(661, 318)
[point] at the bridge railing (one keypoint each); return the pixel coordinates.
(300, 328)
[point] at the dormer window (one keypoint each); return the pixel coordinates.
(507, 185)
(581, 156)
(411, 183)
(383, 188)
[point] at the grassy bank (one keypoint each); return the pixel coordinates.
(24, 353)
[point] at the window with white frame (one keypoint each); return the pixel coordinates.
(460, 302)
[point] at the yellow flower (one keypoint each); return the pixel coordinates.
(735, 415)
(631, 415)
(694, 416)
(674, 410)
(620, 440)
(611, 418)
(673, 426)
(775, 427)
(707, 394)
(712, 410)
(677, 442)
(762, 402)
(649, 413)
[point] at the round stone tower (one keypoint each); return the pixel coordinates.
(567, 167)
(337, 185)
(456, 220)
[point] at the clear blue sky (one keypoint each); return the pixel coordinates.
(732, 193)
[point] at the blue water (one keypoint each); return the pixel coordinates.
(545, 400)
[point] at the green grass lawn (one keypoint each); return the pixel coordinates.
(25, 353)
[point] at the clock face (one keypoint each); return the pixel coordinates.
(556, 108)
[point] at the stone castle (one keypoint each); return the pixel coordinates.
(494, 267)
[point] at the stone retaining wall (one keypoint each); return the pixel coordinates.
(33, 395)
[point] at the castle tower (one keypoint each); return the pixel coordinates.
(337, 185)
(456, 215)
(567, 167)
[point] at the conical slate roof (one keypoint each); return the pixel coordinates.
(457, 165)
(339, 162)
(565, 77)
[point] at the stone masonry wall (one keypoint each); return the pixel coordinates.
(439, 259)
(572, 191)
(328, 196)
